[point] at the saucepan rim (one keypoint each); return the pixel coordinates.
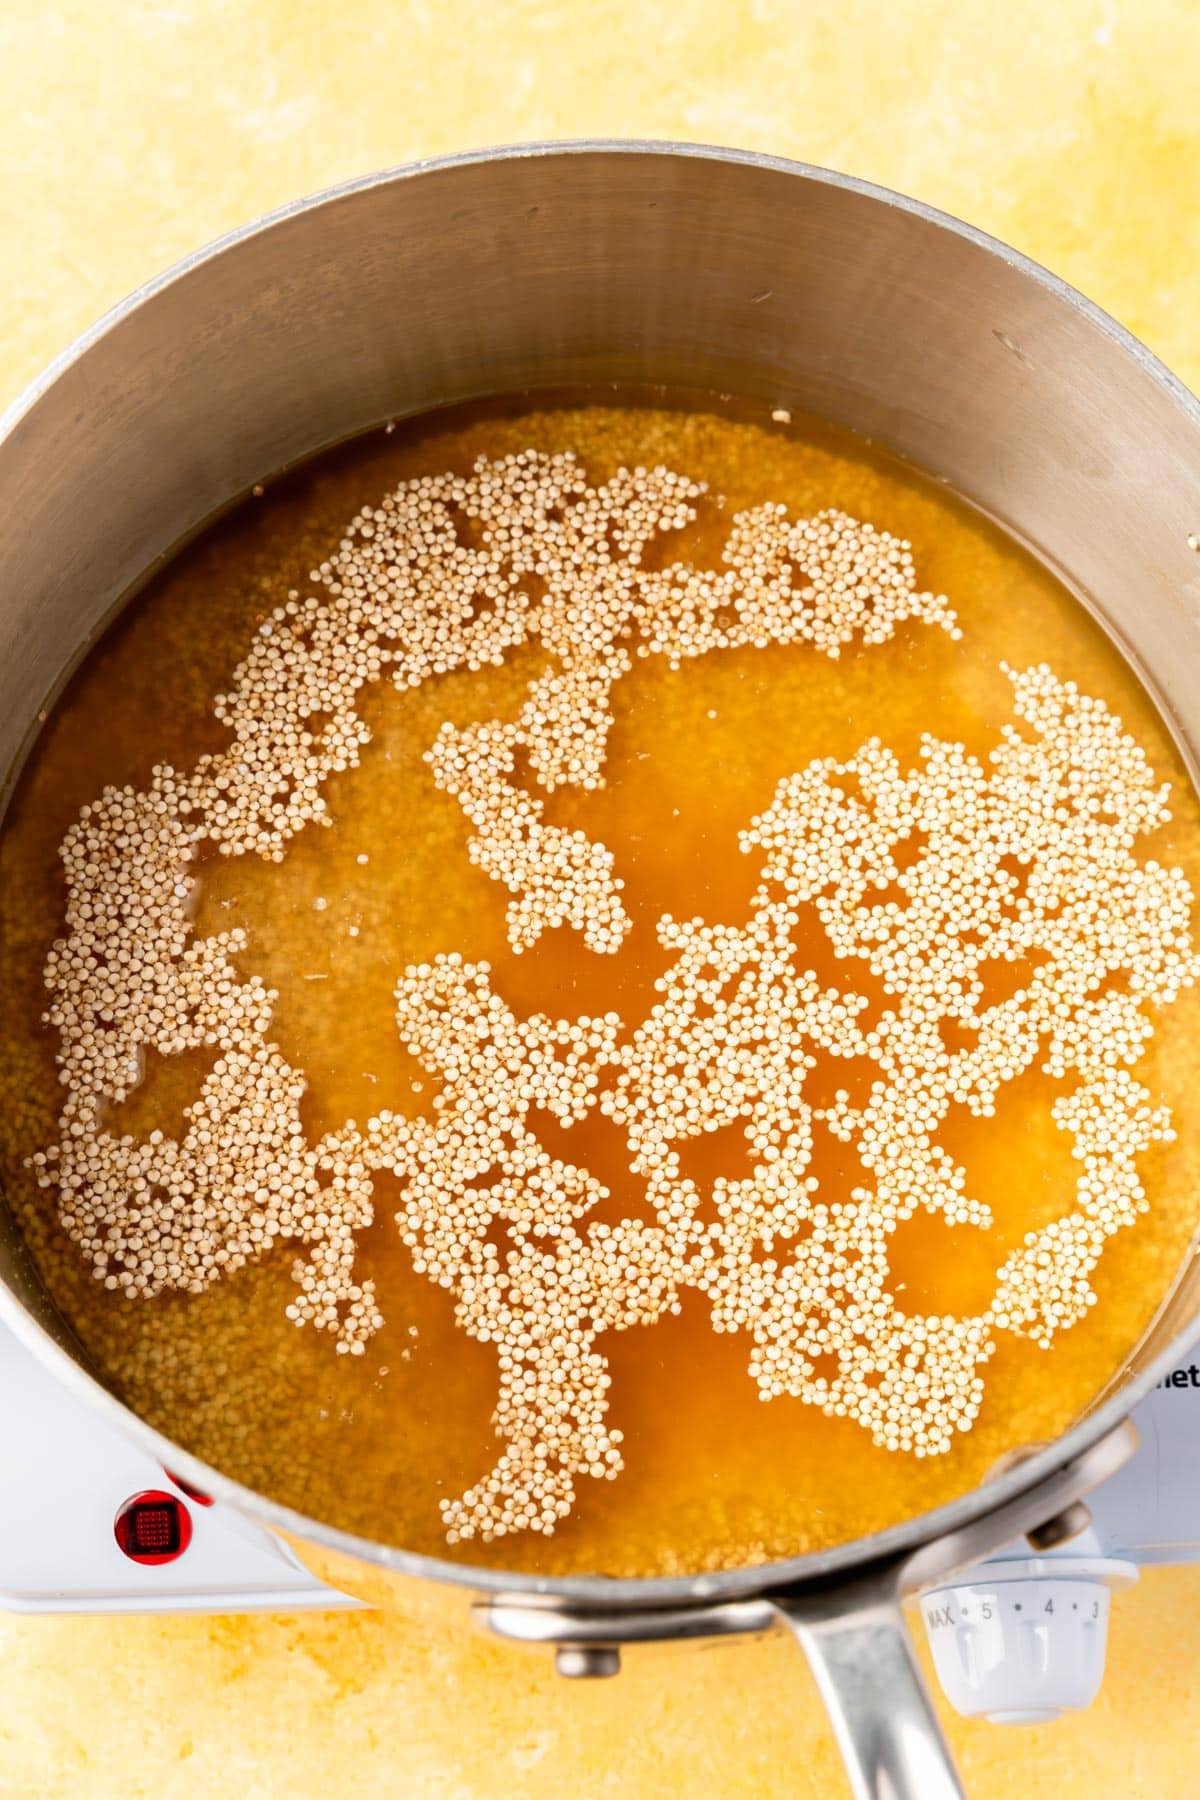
(822, 1567)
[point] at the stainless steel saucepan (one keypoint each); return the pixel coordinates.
(563, 265)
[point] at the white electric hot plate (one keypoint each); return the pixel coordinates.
(90, 1523)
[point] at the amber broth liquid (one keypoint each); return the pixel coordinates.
(714, 1477)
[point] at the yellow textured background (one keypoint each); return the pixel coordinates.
(131, 131)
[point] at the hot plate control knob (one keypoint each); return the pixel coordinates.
(1020, 1640)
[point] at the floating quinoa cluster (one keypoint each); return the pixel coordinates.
(997, 904)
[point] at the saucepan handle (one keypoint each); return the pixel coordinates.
(867, 1671)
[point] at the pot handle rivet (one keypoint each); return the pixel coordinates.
(1064, 1526)
(583, 1662)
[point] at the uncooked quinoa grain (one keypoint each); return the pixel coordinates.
(933, 879)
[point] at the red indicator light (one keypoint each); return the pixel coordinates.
(193, 1493)
(153, 1527)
